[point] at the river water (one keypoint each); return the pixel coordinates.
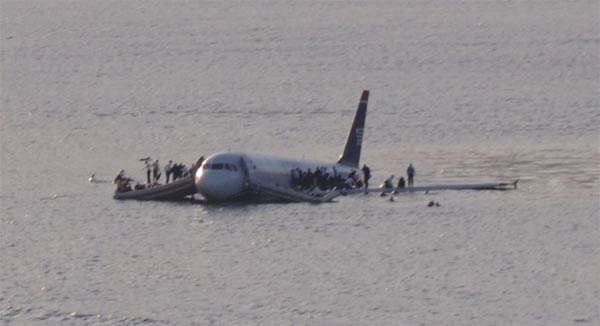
(468, 91)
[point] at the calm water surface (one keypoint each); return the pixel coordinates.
(467, 91)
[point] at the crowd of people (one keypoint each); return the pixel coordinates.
(174, 170)
(153, 174)
(325, 178)
(177, 170)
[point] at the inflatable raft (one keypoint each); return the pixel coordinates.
(176, 190)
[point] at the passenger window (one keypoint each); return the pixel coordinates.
(220, 166)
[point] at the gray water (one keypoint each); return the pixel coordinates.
(468, 91)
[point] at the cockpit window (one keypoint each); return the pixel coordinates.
(220, 166)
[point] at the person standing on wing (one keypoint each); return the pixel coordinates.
(367, 175)
(411, 174)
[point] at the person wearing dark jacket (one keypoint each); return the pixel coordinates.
(148, 171)
(411, 173)
(366, 175)
(401, 183)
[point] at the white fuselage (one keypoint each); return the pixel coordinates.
(221, 177)
(228, 176)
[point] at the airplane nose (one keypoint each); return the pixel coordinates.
(217, 185)
(205, 183)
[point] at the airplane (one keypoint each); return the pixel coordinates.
(231, 176)
(237, 176)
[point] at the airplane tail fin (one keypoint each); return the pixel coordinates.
(351, 154)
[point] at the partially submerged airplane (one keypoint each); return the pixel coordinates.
(231, 176)
(235, 175)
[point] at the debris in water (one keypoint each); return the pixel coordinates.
(433, 203)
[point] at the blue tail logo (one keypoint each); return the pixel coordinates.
(359, 136)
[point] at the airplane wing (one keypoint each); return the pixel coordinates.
(427, 188)
(290, 194)
(471, 186)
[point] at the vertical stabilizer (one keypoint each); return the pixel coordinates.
(351, 154)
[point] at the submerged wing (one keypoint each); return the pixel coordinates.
(289, 194)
